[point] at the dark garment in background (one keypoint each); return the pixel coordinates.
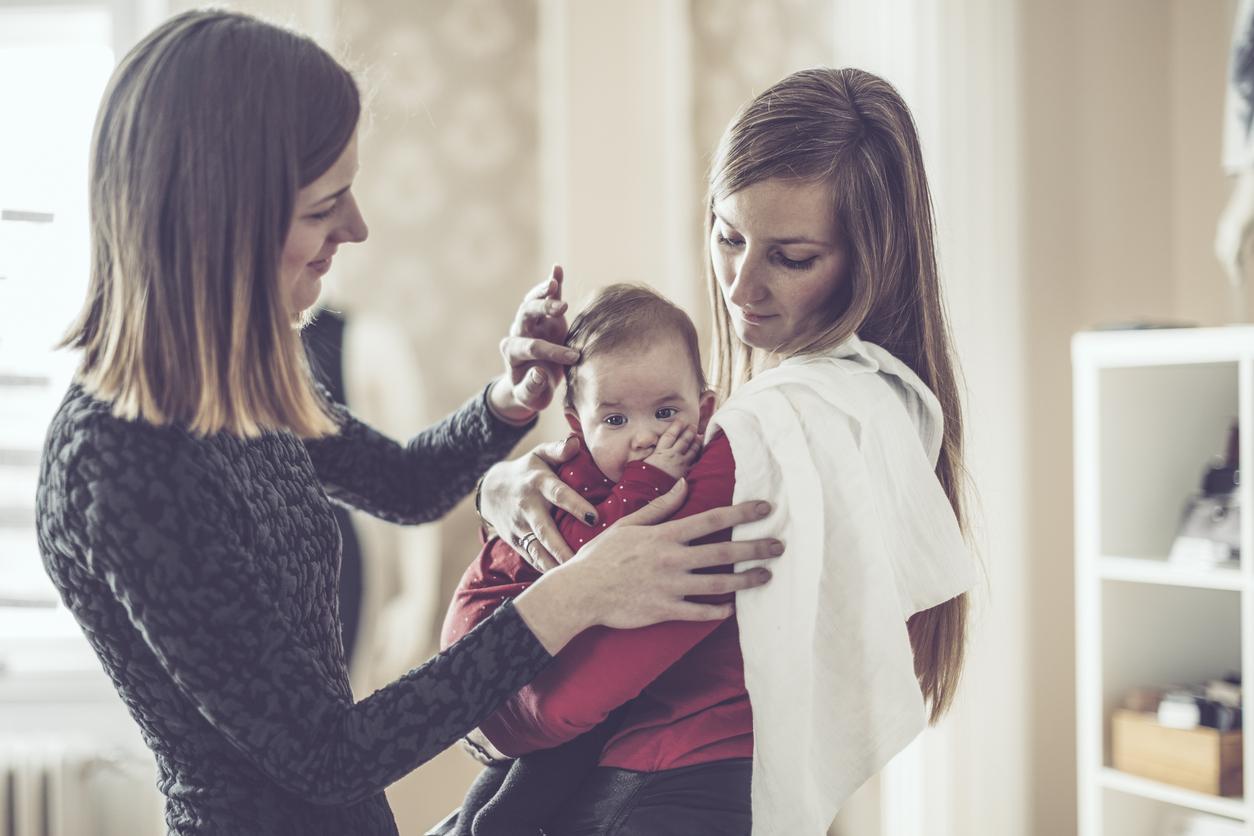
(515, 798)
(709, 799)
(204, 573)
(1238, 137)
(324, 344)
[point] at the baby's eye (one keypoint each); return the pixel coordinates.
(666, 413)
(614, 420)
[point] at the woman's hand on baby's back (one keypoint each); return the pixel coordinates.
(640, 571)
(676, 451)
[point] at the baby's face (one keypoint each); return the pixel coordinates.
(625, 399)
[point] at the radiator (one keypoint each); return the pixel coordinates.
(56, 787)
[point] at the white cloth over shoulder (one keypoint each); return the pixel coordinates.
(845, 446)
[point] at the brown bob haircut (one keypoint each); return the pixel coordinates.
(207, 130)
(625, 316)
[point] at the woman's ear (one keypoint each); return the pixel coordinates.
(707, 409)
(573, 420)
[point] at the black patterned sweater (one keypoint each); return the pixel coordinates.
(203, 571)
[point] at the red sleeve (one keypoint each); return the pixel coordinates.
(601, 669)
(498, 574)
(640, 485)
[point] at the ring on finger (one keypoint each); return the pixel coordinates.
(526, 541)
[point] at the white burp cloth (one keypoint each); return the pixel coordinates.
(845, 446)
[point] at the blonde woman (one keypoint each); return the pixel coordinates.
(831, 337)
(184, 499)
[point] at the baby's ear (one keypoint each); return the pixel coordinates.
(707, 409)
(573, 420)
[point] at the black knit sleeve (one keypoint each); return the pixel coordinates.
(419, 481)
(164, 534)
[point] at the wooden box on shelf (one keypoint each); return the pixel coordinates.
(1200, 759)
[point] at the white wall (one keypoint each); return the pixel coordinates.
(1121, 187)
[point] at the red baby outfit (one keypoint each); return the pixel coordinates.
(683, 714)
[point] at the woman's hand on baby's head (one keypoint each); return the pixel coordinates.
(677, 450)
(535, 358)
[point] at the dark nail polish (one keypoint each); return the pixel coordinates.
(590, 519)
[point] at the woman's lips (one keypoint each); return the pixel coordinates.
(753, 319)
(320, 266)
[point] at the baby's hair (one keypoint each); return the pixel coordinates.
(629, 316)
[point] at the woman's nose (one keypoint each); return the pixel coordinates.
(747, 287)
(354, 229)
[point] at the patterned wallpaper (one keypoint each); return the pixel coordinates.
(741, 47)
(449, 186)
(449, 178)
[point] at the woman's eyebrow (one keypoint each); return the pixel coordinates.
(798, 240)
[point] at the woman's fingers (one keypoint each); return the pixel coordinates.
(533, 312)
(549, 542)
(553, 453)
(716, 585)
(724, 583)
(533, 352)
(549, 288)
(533, 549)
(535, 390)
(722, 554)
(563, 496)
(716, 519)
(519, 351)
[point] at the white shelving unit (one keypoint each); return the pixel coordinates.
(1152, 408)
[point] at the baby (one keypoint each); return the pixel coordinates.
(639, 404)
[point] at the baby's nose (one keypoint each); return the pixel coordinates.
(646, 440)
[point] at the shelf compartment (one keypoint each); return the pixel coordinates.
(1113, 779)
(1157, 636)
(1158, 428)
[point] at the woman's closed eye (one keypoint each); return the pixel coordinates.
(779, 257)
(326, 213)
(793, 264)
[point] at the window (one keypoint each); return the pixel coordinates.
(55, 61)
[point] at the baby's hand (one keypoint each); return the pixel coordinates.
(676, 450)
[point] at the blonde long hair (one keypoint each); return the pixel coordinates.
(851, 130)
(207, 130)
